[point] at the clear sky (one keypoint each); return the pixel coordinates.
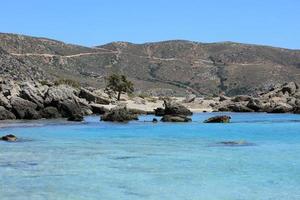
(94, 22)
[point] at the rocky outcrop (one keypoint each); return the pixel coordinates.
(174, 108)
(218, 119)
(50, 112)
(24, 109)
(119, 114)
(5, 114)
(93, 98)
(9, 138)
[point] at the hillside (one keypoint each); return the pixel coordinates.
(170, 67)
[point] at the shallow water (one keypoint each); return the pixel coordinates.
(58, 160)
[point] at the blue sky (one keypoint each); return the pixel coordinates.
(94, 22)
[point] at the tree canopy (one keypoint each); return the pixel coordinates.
(118, 84)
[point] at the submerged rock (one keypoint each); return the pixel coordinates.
(175, 118)
(76, 118)
(154, 120)
(218, 119)
(235, 143)
(119, 114)
(9, 138)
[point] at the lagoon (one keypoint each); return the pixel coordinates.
(94, 160)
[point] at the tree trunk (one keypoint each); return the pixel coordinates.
(119, 95)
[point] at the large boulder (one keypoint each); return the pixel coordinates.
(5, 114)
(281, 108)
(290, 87)
(70, 109)
(240, 98)
(175, 118)
(24, 109)
(50, 112)
(33, 94)
(93, 98)
(189, 98)
(59, 93)
(174, 108)
(119, 114)
(4, 101)
(238, 107)
(98, 109)
(9, 138)
(218, 119)
(159, 112)
(256, 105)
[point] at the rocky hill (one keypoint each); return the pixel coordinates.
(168, 68)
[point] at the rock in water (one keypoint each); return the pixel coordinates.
(175, 118)
(76, 118)
(119, 114)
(218, 119)
(5, 114)
(154, 120)
(9, 138)
(173, 108)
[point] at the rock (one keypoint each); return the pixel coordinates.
(154, 120)
(10, 89)
(296, 110)
(70, 109)
(240, 98)
(119, 114)
(59, 93)
(173, 108)
(290, 88)
(24, 109)
(237, 107)
(5, 114)
(218, 119)
(91, 97)
(4, 101)
(159, 112)
(9, 138)
(235, 143)
(256, 105)
(31, 93)
(175, 118)
(98, 109)
(76, 117)
(281, 108)
(189, 98)
(50, 112)
(137, 111)
(224, 98)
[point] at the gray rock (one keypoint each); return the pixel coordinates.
(93, 98)
(256, 105)
(98, 109)
(50, 112)
(290, 88)
(33, 94)
(237, 107)
(173, 108)
(5, 114)
(24, 109)
(240, 98)
(175, 118)
(218, 119)
(119, 114)
(4, 101)
(9, 138)
(189, 98)
(281, 108)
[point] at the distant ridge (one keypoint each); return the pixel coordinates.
(172, 67)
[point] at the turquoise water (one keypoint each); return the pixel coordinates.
(95, 160)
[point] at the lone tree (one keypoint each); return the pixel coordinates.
(118, 84)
